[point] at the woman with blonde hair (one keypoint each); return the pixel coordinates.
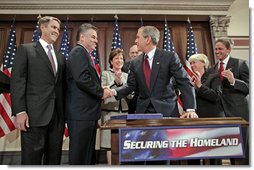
(207, 93)
(206, 86)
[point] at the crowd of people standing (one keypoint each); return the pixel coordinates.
(47, 91)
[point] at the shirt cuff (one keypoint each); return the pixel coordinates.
(190, 110)
(20, 113)
(233, 84)
(115, 93)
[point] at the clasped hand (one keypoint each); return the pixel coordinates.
(107, 92)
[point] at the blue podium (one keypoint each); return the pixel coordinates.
(175, 139)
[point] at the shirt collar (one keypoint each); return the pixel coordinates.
(79, 43)
(45, 44)
(225, 61)
(151, 53)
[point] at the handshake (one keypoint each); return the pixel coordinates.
(107, 92)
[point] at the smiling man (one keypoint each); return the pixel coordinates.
(83, 99)
(234, 76)
(37, 96)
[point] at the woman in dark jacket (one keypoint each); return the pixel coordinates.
(206, 86)
(208, 94)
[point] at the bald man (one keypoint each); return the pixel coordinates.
(133, 53)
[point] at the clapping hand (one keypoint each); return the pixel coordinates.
(229, 75)
(196, 79)
(118, 78)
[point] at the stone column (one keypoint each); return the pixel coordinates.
(219, 26)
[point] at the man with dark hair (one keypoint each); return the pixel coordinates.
(234, 83)
(83, 100)
(37, 96)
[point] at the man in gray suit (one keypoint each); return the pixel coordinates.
(234, 87)
(157, 94)
(37, 96)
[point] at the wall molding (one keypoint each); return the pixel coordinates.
(138, 7)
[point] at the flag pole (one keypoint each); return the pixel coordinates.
(116, 17)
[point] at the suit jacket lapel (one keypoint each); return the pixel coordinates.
(215, 68)
(41, 52)
(59, 63)
(92, 64)
(231, 64)
(155, 67)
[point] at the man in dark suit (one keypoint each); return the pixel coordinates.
(83, 100)
(234, 87)
(152, 74)
(133, 53)
(37, 96)
(4, 83)
(158, 95)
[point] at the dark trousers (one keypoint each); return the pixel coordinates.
(43, 145)
(82, 135)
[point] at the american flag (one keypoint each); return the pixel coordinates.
(175, 136)
(167, 42)
(143, 154)
(96, 60)
(6, 121)
(64, 48)
(37, 33)
(191, 48)
(116, 42)
(141, 22)
(168, 45)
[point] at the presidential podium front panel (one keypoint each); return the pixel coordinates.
(175, 139)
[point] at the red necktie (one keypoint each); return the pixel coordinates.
(221, 69)
(147, 71)
(50, 56)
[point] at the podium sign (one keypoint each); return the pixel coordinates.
(180, 142)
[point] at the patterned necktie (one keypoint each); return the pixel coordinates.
(50, 56)
(147, 71)
(221, 69)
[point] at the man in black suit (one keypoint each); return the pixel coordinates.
(234, 87)
(83, 100)
(158, 94)
(152, 74)
(4, 83)
(133, 53)
(37, 96)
